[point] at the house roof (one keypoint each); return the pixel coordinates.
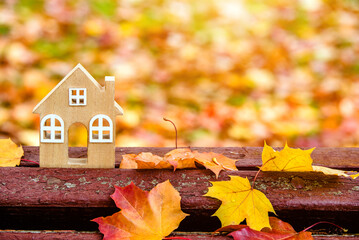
(118, 108)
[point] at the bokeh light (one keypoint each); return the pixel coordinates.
(228, 72)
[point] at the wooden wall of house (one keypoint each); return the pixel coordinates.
(101, 155)
(54, 155)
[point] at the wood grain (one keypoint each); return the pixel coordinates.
(300, 197)
(33, 187)
(67, 199)
(73, 235)
(249, 157)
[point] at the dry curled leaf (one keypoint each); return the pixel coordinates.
(239, 202)
(144, 215)
(215, 162)
(128, 161)
(147, 160)
(288, 159)
(331, 171)
(144, 160)
(181, 158)
(178, 158)
(10, 153)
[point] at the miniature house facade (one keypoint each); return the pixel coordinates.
(79, 98)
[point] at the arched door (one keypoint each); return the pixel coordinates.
(77, 137)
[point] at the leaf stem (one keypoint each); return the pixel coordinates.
(255, 178)
(166, 119)
(294, 234)
(315, 224)
(27, 160)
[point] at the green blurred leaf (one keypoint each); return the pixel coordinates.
(236, 100)
(104, 7)
(4, 29)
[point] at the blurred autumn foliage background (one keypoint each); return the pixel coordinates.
(227, 72)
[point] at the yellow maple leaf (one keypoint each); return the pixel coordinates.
(298, 160)
(10, 153)
(144, 215)
(331, 171)
(289, 159)
(240, 201)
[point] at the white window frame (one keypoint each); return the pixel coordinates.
(100, 128)
(52, 128)
(77, 97)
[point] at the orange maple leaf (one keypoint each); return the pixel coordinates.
(128, 161)
(144, 215)
(144, 160)
(181, 158)
(215, 162)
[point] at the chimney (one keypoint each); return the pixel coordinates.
(110, 87)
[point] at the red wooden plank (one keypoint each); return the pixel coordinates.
(34, 187)
(72, 195)
(250, 157)
(73, 235)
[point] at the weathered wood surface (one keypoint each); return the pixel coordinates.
(62, 199)
(34, 187)
(49, 235)
(249, 157)
(83, 194)
(73, 235)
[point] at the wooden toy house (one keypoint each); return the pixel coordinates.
(79, 98)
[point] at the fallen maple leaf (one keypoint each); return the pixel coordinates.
(289, 159)
(181, 158)
(128, 161)
(280, 227)
(10, 153)
(144, 215)
(144, 160)
(331, 171)
(298, 160)
(280, 230)
(240, 201)
(215, 162)
(147, 160)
